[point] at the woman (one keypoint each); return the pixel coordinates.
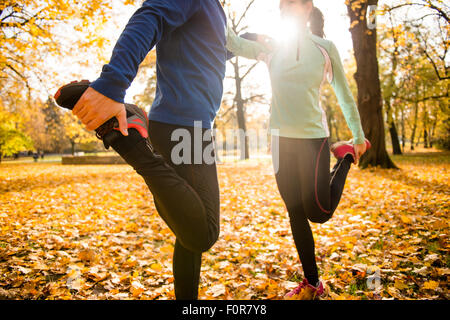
(298, 68)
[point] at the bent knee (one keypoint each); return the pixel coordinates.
(318, 213)
(322, 218)
(202, 244)
(212, 241)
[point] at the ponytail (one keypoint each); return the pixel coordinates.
(317, 22)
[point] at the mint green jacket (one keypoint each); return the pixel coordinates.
(296, 84)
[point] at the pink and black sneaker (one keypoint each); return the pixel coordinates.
(313, 291)
(342, 148)
(68, 95)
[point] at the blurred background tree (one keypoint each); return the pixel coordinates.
(35, 38)
(12, 137)
(44, 44)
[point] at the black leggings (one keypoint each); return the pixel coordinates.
(309, 191)
(186, 197)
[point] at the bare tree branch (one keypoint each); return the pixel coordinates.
(427, 4)
(249, 70)
(245, 12)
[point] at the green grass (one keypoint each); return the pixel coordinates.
(421, 156)
(50, 158)
(378, 245)
(358, 285)
(433, 247)
(432, 157)
(47, 159)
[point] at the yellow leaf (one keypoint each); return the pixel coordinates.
(166, 249)
(156, 266)
(136, 289)
(400, 285)
(87, 255)
(131, 262)
(405, 219)
(432, 285)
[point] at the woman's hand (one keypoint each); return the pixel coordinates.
(360, 149)
(265, 40)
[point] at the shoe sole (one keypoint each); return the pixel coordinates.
(68, 95)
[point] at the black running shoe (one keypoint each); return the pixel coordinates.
(68, 95)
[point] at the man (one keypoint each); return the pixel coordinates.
(190, 40)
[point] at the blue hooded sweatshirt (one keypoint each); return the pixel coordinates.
(190, 39)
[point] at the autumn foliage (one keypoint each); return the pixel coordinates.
(84, 232)
(92, 232)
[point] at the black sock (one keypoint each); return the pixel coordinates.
(312, 280)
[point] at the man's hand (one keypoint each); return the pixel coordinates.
(94, 109)
(360, 149)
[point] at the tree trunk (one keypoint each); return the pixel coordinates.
(332, 125)
(395, 140)
(418, 140)
(425, 125)
(403, 130)
(393, 130)
(73, 147)
(425, 138)
(337, 133)
(369, 90)
(432, 131)
(240, 114)
(243, 138)
(414, 128)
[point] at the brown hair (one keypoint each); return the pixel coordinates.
(316, 21)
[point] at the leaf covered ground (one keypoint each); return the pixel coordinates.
(92, 232)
